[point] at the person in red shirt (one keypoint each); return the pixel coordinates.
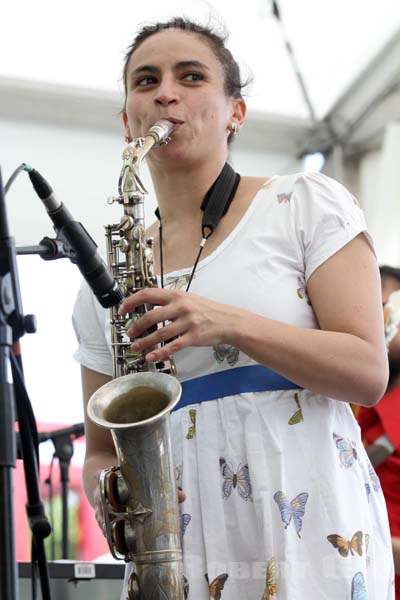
(380, 425)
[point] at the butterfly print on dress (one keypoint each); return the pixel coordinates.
(294, 509)
(192, 428)
(185, 520)
(368, 490)
(284, 198)
(373, 477)
(301, 290)
(178, 473)
(347, 451)
(270, 580)
(177, 283)
(239, 479)
(344, 546)
(359, 587)
(185, 588)
(297, 416)
(366, 542)
(217, 585)
(230, 353)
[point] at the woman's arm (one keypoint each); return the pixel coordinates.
(100, 450)
(346, 359)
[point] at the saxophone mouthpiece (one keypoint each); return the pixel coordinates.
(161, 131)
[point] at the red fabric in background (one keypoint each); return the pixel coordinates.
(384, 418)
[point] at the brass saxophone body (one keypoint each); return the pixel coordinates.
(139, 497)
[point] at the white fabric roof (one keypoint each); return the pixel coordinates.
(81, 43)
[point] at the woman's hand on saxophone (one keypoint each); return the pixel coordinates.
(191, 321)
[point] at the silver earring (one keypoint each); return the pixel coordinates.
(234, 127)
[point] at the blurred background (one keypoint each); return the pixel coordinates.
(325, 96)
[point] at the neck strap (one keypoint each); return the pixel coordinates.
(215, 205)
(217, 200)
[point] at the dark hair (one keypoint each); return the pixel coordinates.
(232, 81)
(390, 272)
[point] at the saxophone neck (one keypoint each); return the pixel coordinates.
(134, 154)
(129, 183)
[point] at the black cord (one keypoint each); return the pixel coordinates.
(34, 571)
(161, 254)
(202, 244)
(203, 241)
(39, 524)
(49, 482)
(12, 178)
(24, 407)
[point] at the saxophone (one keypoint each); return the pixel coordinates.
(139, 497)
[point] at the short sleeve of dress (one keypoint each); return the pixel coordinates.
(89, 322)
(326, 217)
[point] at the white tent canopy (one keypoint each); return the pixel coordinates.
(82, 43)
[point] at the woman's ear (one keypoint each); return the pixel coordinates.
(238, 113)
(128, 135)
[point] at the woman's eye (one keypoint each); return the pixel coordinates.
(193, 77)
(145, 81)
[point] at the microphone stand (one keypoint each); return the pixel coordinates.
(13, 324)
(8, 569)
(52, 249)
(64, 450)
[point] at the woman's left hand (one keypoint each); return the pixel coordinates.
(192, 321)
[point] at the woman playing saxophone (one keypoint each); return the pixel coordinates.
(280, 331)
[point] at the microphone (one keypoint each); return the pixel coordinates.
(82, 248)
(76, 431)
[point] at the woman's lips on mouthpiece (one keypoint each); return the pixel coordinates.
(176, 123)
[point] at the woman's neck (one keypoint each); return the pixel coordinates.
(180, 192)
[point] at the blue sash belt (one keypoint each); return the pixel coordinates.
(255, 378)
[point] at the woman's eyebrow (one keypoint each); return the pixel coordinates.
(183, 64)
(145, 69)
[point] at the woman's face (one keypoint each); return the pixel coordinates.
(175, 75)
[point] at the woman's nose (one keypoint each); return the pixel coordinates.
(165, 99)
(166, 93)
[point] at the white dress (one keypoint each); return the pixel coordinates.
(282, 501)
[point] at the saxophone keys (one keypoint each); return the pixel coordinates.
(126, 223)
(133, 588)
(124, 245)
(115, 490)
(140, 512)
(124, 290)
(123, 537)
(131, 320)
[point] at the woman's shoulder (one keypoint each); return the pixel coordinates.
(309, 188)
(311, 177)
